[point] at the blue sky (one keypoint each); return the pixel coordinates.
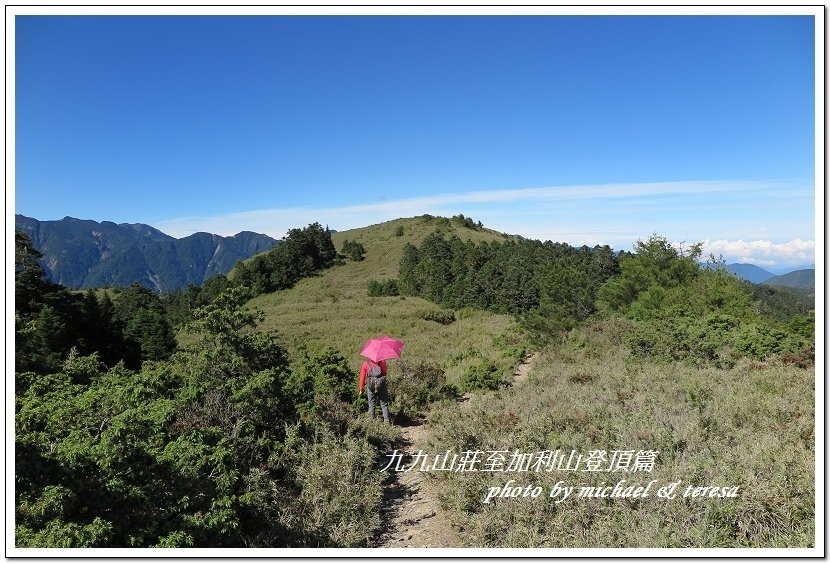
(588, 130)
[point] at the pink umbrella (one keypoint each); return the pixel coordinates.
(382, 348)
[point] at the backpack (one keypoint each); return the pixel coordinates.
(374, 378)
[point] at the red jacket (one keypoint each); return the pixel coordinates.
(364, 369)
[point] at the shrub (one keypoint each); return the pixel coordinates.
(806, 359)
(441, 316)
(468, 352)
(483, 375)
(512, 344)
(803, 325)
(331, 495)
(418, 385)
(717, 339)
(354, 250)
(660, 340)
(759, 341)
(399, 231)
(81, 369)
(320, 380)
(383, 288)
(710, 339)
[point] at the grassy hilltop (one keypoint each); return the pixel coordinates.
(334, 309)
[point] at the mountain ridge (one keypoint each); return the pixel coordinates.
(750, 272)
(805, 278)
(796, 278)
(82, 253)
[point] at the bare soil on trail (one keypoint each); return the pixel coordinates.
(412, 514)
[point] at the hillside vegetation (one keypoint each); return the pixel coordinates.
(335, 310)
(247, 430)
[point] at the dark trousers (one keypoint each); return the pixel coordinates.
(383, 395)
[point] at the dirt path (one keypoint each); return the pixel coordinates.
(524, 368)
(413, 515)
(411, 511)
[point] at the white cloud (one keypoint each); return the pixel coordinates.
(276, 222)
(764, 253)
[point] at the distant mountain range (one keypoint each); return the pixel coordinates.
(84, 254)
(803, 278)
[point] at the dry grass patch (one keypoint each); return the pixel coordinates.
(750, 427)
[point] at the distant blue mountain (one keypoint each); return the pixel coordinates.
(750, 272)
(84, 254)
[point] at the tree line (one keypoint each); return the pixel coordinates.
(50, 320)
(514, 276)
(683, 309)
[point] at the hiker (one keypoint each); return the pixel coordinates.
(373, 371)
(373, 378)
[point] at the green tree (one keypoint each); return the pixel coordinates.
(149, 328)
(655, 262)
(49, 320)
(98, 330)
(147, 332)
(567, 298)
(409, 281)
(354, 250)
(302, 253)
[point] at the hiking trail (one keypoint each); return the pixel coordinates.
(411, 512)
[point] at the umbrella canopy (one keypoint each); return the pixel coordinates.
(382, 348)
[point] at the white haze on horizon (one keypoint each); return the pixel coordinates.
(558, 214)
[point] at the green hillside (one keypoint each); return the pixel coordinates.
(334, 309)
(797, 279)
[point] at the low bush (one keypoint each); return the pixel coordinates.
(482, 376)
(803, 325)
(354, 250)
(419, 385)
(715, 339)
(383, 288)
(442, 316)
(323, 375)
(331, 493)
(512, 344)
(806, 359)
